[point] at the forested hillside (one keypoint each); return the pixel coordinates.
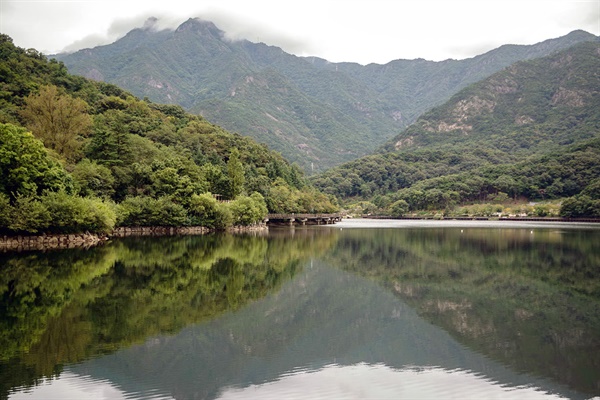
(530, 131)
(79, 155)
(316, 113)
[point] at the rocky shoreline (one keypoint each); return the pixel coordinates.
(86, 240)
(44, 242)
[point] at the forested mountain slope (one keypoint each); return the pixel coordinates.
(77, 155)
(316, 113)
(531, 130)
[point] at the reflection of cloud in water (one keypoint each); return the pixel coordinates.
(358, 381)
(76, 387)
(362, 381)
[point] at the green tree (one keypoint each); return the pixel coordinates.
(26, 169)
(147, 211)
(29, 215)
(205, 211)
(235, 172)
(507, 184)
(281, 199)
(399, 208)
(248, 210)
(579, 206)
(59, 120)
(110, 144)
(71, 214)
(93, 179)
(5, 211)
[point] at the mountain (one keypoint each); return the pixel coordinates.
(548, 102)
(317, 114)
(530, 130)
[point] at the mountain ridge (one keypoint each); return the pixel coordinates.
(338, 111)
(529, 131)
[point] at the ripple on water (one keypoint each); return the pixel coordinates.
(381, 382)
(70, 386)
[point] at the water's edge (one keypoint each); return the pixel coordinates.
(86, 240)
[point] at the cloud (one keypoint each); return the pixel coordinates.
(354, 30)
(235, 28)
(120, 27)
(89, 41)
(588, 17)
(255, 32)
(238, 27)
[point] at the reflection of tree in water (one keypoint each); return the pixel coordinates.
(64, 306)
(528, 299)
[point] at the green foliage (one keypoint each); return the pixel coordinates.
(28, 215)
(280, 199)
(56, 212)
(399, 208)
(248, 210)
(530, 131)
(593, 189)
(93, 179)
(59, 120)
(205, 210)
(362, 208)
(283, 199)
(5, 211)
(155, 160)
(72, 214)
(24, 71)
(26, 168)
(110, 143)
(581, 205)
(148, 211)
(235, 172)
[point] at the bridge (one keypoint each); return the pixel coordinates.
(303, 219)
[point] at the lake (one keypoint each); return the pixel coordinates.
(360, 309)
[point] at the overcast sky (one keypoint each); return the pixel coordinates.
(361, 31)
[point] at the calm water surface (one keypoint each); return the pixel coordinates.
(360, 309)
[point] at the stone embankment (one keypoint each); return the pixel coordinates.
(158, 231)
(44, 242)
(85, 240)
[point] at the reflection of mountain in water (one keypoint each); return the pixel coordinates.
(528, 298)
(323, 317)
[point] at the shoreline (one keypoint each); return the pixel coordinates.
(87, 240)
(531, 226)
(512, 219)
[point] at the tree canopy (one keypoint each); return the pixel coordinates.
(109, 152)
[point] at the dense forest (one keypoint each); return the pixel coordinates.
(527, 133)
(78, 155)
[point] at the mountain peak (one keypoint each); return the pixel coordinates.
(150, 23)
(200, 26)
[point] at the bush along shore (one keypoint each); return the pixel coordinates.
(86, 240)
